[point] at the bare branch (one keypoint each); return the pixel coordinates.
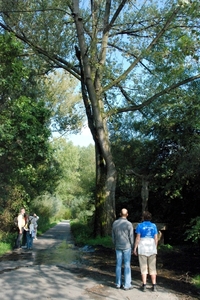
(151, 99)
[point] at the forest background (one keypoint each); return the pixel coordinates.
(132, 70)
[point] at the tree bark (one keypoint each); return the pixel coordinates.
(145, 193)
(105, 167)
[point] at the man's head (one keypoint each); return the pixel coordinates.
(124, 213)
(146, 216)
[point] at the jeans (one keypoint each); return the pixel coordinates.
(123, 255)
(19, 240)
(29, 240)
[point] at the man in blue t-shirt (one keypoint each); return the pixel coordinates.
(146, 242)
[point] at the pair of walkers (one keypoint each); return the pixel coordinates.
(27, 226)
(145, 247)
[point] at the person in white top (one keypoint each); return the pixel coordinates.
(146, 242)
(21, 224)
(36, 225)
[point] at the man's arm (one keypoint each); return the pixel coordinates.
(136, 243)
(131, 236)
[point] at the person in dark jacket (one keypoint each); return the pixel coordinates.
(123, 239)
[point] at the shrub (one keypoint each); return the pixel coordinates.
(193, 233)
(83, 235)
(81, 231)
(196, 281)
(166, 248)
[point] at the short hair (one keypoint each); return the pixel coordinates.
(147, 216)
(124, 212)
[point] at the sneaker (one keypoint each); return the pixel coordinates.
(119, 287)
(144, 287)
(18, 250)
(129, 288)
(154, 288)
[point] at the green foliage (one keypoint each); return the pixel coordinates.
(46, 206)
(67, 214)
(64, 99)
(162, 147)
(12, 68)
(76, 185)
(142, 71)
(27, 167)
(7, 241)
(101, 241)
(47, 224)
(193, 233)
(196, 281)
(82, 232)
(5, 247)
(82, 208)
(165, 248)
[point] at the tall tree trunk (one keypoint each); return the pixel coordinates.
(105, 194)
(105, 167)
(145, 193)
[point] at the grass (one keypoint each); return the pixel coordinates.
(7, 241)
(101, 241)
(4, 248)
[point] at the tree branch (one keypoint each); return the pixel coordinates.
(140, 57)
(60, 62)
(151, 99)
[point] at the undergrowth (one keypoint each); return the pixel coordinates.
(83, 235)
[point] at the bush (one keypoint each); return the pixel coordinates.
(67, 214)
(81, 231)
(166, 248)
(7, 241)
(83, 235)
(196, 281)
(193, 233)
(4, 247)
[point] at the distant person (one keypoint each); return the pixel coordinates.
(20, 225)
(123, 239)
(36, 225)
(26, 231)
(30, 230)
(146, 242)
(24, 239)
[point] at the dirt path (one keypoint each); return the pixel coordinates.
(56, 269)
